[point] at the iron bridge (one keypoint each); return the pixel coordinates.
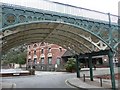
(77, 32)
(84, 32)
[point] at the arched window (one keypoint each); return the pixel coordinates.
(49, 49)
(60, 49)
(29, 53)
(35, 52)
(35, 60)
(42, 51)
(42, 43)
(35, 45)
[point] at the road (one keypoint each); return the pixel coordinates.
(50, 79)
(41, 80)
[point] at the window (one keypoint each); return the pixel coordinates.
(42, 60)
(35, 52)
(60, 49)
(42, 43)
(29, 60)
(35, 45)
(58, 62)
(29, 53)
(49, 49)
(35, 60)
(49, 60)
(42, 50)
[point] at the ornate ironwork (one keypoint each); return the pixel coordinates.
(10, 18)
(87, 29)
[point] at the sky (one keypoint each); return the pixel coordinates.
(107, 6)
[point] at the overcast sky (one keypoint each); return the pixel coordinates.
(107, 6)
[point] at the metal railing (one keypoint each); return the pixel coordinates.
(72, 10)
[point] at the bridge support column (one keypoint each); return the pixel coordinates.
(0, 46)
(77, 67)
(110, 55)
(90, 66)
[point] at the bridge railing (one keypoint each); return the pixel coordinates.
(73, 10)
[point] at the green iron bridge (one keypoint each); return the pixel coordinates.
(84, 32)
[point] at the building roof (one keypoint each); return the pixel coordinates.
(67, 53)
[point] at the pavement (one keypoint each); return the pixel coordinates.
(88, 84)
(79, 82)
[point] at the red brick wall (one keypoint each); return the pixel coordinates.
(54, 50)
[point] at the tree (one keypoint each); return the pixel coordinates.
(21, 58)
(15, 55)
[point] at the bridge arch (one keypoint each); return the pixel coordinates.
(69, 36)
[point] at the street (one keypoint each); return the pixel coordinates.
(42, 80)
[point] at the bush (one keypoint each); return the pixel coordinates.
(71, 65)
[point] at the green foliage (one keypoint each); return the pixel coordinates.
(71, 64)
(15, 56)
(21, 58)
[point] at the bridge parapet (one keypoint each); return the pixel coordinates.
(13, 14)
(68, 9)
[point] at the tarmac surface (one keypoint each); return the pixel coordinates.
(78, 82)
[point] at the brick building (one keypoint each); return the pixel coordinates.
(44, 56)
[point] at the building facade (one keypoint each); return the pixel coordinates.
(44, 56)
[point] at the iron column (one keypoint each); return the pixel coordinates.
(90, 66)
(110, 55)
(77, 66)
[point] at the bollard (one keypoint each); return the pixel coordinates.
(84, 77)
(100, 81)
(32, 71)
